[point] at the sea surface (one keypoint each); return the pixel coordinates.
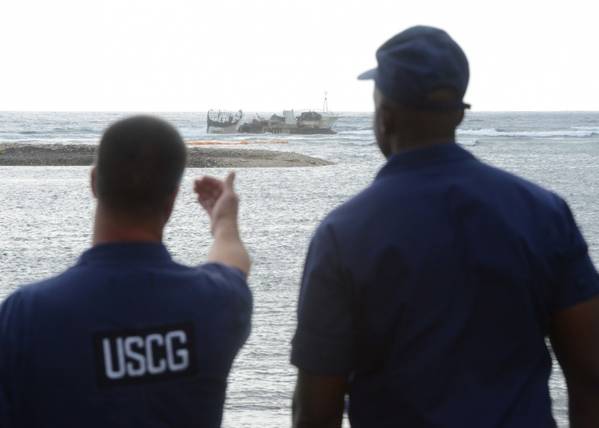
(46, 216)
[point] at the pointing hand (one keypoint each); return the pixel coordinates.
(219, 200)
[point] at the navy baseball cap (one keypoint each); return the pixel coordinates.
(416, 63)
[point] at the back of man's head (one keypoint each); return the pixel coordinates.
(414, 65)
(139, 165)
(421, 78)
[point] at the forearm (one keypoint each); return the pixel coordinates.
(228, 248)
(575, 340)
(301, 419)
(318, 402)
(584, 406)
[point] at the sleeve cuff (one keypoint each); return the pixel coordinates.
(320, 356)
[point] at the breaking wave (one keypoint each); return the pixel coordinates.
(578, 132)
(594, 129)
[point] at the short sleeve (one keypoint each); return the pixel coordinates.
(323, 341)
(233, 282)
(577, 279)
(11, 337)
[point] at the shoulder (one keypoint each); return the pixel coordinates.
(537, 197)
(11, 306)
(408, 194)
(540, 209)
(228, 281)
(13, 311)
(496, 178)
(31, 301)
(219, 273)
(52, 288)
(362, 205)
(26, 293)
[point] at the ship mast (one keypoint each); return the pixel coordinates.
(325, 104)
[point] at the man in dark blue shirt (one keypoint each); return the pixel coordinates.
(128, 337)
(429, 296)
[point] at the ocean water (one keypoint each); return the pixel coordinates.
(46, 216)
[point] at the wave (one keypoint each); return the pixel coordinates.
(492, 132)
(368, 131)
(63, 131)
(74, 129)
(469, 143)
(593, 129)
(32, 132)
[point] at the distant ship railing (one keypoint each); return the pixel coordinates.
(222, 119)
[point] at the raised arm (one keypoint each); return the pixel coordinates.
(318, 401)
(221, 203)
(575, 339)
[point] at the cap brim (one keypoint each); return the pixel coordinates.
(368, 75)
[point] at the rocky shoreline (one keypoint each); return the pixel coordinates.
(198, 157)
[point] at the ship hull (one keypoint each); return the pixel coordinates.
(312, 131)
(231, 129)
(291, 125)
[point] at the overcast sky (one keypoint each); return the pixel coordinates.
(176, 55)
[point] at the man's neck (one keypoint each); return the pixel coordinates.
(401, 145)
(111, 228)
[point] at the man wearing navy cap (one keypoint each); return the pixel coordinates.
(429, 296)
(127, 337)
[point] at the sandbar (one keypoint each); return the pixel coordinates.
(198, 156)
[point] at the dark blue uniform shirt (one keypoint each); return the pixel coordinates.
(125, 338)
(433, 290)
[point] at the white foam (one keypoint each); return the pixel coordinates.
(492, 132)
(357, 132)
(593, 129)
(467, 141)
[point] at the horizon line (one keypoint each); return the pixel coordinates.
(269, 111)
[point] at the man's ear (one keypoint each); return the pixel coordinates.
(93, 182)
(460, 117)
(169, 205)
(387, 120)
(383, 128)
(384, 115)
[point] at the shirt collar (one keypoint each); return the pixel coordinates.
(414, 158)
(126, 252)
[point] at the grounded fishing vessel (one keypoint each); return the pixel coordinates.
(308, 122)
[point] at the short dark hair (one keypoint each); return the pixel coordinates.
(139, 164)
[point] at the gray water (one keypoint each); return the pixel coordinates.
(46, 217)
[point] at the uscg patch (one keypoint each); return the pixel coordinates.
(144, 355)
